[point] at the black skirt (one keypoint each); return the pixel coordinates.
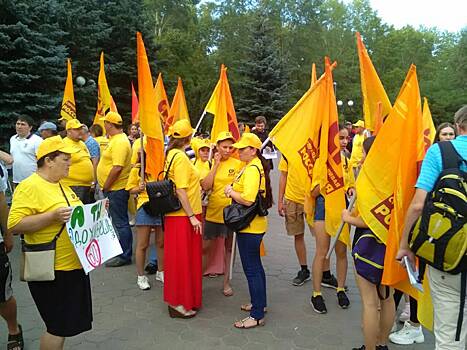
(64, 304)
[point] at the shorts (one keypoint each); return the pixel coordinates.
(6, 292)
(319, 208)
(213, 230)
(144, 219)
(65, 304)
(294, 218)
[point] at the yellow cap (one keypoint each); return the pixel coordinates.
(360, 124)
(52, 144)
(197, 143)
(73, 124)
(248, 140)
(113, 117)
(224, 135)
(181, 128)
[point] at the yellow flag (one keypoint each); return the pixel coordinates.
(225, 118)
(178, 109)
(162, 102)
(211, 106)
(297, 134)
(103, 95)
(372, 88)
(329, 167)
(313, 74)
(429, 130)
(68, 110)
(148, 113)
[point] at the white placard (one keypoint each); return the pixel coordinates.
(92, 234)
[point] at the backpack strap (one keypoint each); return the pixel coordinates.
(451, 159)
(462, 305)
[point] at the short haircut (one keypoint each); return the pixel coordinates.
(51, 156)
(460, 118)
(27, 119)
(260, 119)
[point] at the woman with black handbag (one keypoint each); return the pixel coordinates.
(183, 229)
(253, 179)
(40, 208)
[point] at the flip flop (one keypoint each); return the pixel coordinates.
(16, 341)
(228, 292)
(241, 324)
(247, 308)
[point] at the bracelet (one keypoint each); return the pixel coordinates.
(190, 216)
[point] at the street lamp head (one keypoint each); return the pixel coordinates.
(350, 103)
(80, 81)
(340, 103)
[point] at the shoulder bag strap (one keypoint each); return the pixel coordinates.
(166, 176)
(260, 176)
(64, 224)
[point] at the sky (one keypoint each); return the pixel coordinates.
(448, 15)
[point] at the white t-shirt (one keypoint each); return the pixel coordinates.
(23, 151)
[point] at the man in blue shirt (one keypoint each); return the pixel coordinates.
(445, 288)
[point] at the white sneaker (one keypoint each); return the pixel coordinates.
(143, 283)
(408, 335)
(160, 276)
(405, 314)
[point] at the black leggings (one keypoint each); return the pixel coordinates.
(413, 305)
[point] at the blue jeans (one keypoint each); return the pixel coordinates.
(152, 254)
(118, 210)
(248, 247)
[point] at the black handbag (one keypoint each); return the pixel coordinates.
(238, 216)
(162, 195)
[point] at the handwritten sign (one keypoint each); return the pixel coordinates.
(92, 235)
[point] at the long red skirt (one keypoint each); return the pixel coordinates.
(182, 263)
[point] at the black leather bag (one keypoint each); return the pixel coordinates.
(238, 216)
(162, 195)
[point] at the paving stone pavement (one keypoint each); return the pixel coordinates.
(127, 318)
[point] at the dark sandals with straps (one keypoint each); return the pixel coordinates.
(16, 341)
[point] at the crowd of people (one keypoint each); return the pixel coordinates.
(53, 171)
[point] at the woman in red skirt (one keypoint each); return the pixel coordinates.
(183, 229)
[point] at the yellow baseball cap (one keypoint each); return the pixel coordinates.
(73, 124)
(197, 143)
(113, 117)
(248, 140)
(360, 124)
(52, 144)
(224, 135)
(181, 128)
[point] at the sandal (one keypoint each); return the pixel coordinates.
(247, 308)
(241, 324)
(228, 292)
(16, 341)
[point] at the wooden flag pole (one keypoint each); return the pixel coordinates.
(142, 157)
(199, 122)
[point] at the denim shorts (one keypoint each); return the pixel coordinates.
(144, 219)
(319, 208)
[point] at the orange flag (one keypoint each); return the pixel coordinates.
(162, 102)
(148, 113)
(225, 118)
(104, 99)
(313, 74)
(68, 110)
(329, 166)
(178, 109)
(134, 105)
(429, 130)
(372, 88)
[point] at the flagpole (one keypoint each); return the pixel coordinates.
(341, 227)
(265, 143)
(142, 157)
(199, 122)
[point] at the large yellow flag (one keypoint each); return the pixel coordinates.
(104, 99)
(297, 133)
(329, 166)
(148, 112)
(372, 88)
(178, 109)
(68, 110)
(162, 102)
(313, 74)
(225, 118)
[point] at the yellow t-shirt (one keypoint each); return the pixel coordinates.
(357, 150)
(225, 175)
(135, 149)
(295, 188)
(81, 170)
(203, 168)
(247, 185)
(133, 181)
(117, 153)
(103, 141)
(349, 178)
(184, 174)
(35, 195)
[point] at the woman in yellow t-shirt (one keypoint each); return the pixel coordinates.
(223, 173)
(40, 208)
(251, 180)
(183, 228)
(145, 223)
